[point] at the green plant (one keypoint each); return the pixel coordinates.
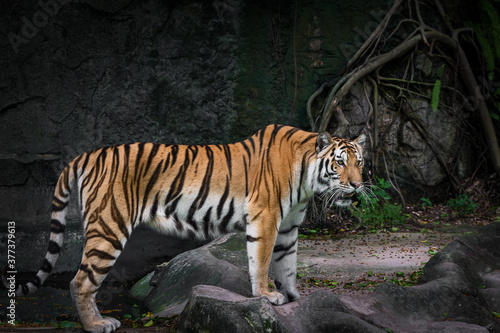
(408, 280)
(436, 89)
(426, 202)
(462, 204)
(374, 209)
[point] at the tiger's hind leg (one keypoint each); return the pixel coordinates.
(101, 250)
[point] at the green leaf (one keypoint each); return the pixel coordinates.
(149, 323)
(436, 91)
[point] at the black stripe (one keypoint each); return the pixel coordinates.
(140, 151)
(178, 182)
(175, 151)
(223, 199)
(280, 248)
(206, 222)
(36, 281)
(58, 205)
(178, 223)
(194, 150)
(171, 208)
(115, 164)
(284, 255)
(240, 225)
(205, 188)
(25, 289)
(125, 175)
(108, 235)
(274, 133)
(246, 176)
(101, 270)
(227, 154)
(309, 138)
(151, 183)
(252, 239)
(261, 139)
(291, 132)
(54, 247)
(286, 249)
(154, 208)
(278, 190)
(152, 154)
(93, 196)
(57, 227)
(63, 183)
(167, 163)
(99, 254)
(252, 143)
(118, 218)
(90, 274)
(243, 143)
(227, 218)
(46, 266)
(288, 230)
(138, 172)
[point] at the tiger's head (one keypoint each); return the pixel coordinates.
(340, 164)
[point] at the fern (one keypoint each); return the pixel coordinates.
(436, 91)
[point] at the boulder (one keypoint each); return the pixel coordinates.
(213, 309)
(166, 291)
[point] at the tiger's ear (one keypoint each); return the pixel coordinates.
(323, 141)
(360, 140)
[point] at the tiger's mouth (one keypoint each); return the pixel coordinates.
(345, 199)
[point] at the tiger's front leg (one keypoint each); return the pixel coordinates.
(260, 242)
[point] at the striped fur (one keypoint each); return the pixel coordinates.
(261, 185)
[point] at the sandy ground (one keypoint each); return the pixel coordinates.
(357, 263)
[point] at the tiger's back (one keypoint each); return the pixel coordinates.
(197, 191)
(261, 185)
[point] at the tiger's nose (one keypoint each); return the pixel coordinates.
(355, 184)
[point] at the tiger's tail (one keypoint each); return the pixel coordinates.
(57, 227)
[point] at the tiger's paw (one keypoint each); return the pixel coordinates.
(292, 295)
(275, 297)
(105, 325)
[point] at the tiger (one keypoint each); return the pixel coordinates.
(261, 185)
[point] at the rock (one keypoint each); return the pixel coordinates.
(134, 264)
(214, 309)
(449, 300)
(173, 281)
(450, 295)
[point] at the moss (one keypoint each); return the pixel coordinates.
(141, 289)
